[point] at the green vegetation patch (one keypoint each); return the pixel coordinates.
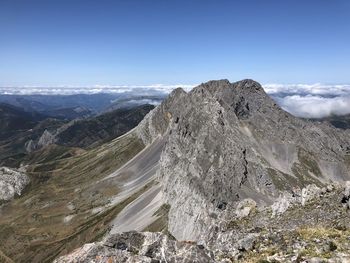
(281, 180)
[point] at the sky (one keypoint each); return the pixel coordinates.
(134, 42)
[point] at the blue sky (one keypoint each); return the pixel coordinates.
(129, 42)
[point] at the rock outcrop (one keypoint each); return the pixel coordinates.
(139, 247)
(12, 183)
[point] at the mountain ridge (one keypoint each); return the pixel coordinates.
(231, 150)
(271, 157)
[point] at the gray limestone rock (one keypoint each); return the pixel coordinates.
(247, 243)
(309, 193)
(281, 205)
(139, 247)
(231, 141)
(46, 138)
(245, 207)
(12, 182)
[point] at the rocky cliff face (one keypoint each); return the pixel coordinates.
(230, 141)
(231, 150)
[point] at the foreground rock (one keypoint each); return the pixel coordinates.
(315, 231)
(12, 183)
(139, 247)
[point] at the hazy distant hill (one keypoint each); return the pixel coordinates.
(41, 103)
(342, 122)
(81, 105)
(14, 119)
(23, 132)
(17, 127)
(69, 113)
(93, 131)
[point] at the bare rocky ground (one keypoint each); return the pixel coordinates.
(313, 230)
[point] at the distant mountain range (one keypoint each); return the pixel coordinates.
(22, 132)
(90, 132)
(70, 107)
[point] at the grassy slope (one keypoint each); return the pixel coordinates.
(32, 227)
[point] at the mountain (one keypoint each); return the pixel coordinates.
(17, 128)
(22, 133)
(69, 113)
(90, 132)
(83, 105)
(341, 122)
(222, 171)
(68, 200)
(228, 142)
(41, 103)
(14, 119)
(231, 150)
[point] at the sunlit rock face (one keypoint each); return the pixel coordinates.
(12, 183)
(230, 141)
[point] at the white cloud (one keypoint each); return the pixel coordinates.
(315, 106)
(305, 89)
(311, 101)
(70, 90)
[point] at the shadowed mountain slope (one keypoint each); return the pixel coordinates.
(13, 119)
(17, 128)
(341, 122)
(93, 131)
(23, 133)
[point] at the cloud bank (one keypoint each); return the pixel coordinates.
(311, 101)
(302, 100)
(72, 90)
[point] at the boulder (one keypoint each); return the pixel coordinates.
(245, 207)
(309, 193)
(12, 182)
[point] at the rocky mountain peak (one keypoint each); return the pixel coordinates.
(230, 141)
(243, 99)
(230, 156)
